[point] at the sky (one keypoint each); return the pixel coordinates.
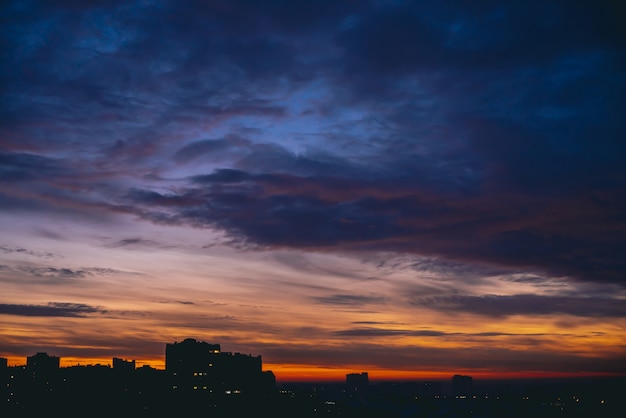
(414, 189)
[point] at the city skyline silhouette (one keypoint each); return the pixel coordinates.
(201, 378)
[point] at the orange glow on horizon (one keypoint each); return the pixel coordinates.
(74, 361)
(286, 373)
(84, 361)
(305, 373)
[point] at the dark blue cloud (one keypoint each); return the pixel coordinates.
(415, 357)
(496, 305)
(541, 233)
(15, 167)
(199, 149)
(409, 36)
(392, 332)
(486, 132)
(135, 243)
(63, 309)
(350, 300)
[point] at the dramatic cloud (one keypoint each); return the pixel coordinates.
(537, 233)
(410, 161)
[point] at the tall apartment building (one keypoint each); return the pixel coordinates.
(197, 366)
(357, 382)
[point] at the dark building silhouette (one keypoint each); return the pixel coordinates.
(197, 366)
(123, 365)
(42, 362)
(43, 371)
(431, 389)
(241, 389)
(461, 386)
(88, 382)
(268, 381)
(357, 382)
(5, 384)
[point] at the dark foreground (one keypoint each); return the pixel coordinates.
(153, 398)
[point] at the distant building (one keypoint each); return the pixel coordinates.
(461, 386)
(357, 382)
(431, 389)
(4, 380)
(42, 362)
(123, 365)
(87, 379)
(268, 380)
(43, 371)
(196, 366)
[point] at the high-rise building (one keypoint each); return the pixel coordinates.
(43, 371)
(42, 362)
(197, 366)
(357, 382)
